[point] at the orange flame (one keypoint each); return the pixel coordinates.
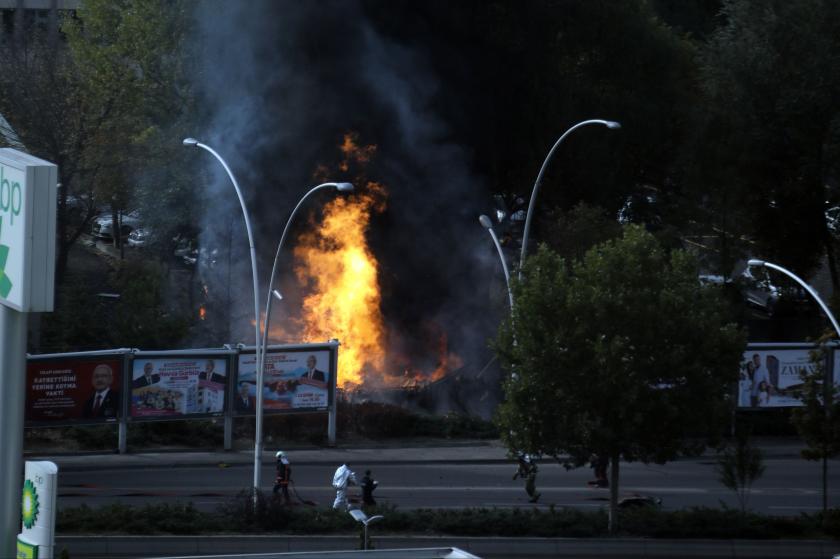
(344, 303)
(202, 312)
(340, 276)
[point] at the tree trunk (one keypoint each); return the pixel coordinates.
(613, 518)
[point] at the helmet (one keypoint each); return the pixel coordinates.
(280, 454)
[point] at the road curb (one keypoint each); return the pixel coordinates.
(101, 547)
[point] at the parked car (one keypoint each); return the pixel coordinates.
(832, 220)
(772, 296)
(188, 251)
(103, 226)
(137, 238)
(758, 291)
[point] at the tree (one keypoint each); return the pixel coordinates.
(623, 354)
(739, 467)
(574, 232)
(46, 108)
(767, 153)
(134, 68)
(818, 421)
(106, 103)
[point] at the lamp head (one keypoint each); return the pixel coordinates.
(277, 294)
(485, 221)
(755, 262)
(191, 142)
(344, 186)
(613, 125)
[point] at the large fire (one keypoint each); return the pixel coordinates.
(340, 278)
(335, 263)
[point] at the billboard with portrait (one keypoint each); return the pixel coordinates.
(74, 389)
(171, 387)
(771, 377)
(297, 378)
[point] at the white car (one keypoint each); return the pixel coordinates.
(103, 226)
(137, 238)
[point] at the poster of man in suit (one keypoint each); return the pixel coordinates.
(294, 380)
(104, 401)
(62, 391)
(244, 403)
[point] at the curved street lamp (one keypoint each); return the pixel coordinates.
(192, 142)
(488, 224)
(274, 294)
(611, 124)
(808, 288)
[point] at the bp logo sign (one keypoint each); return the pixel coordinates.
(5, 282)
(29, 506)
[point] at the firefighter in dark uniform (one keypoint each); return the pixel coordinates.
(284, 475)
(528, 471)
(368, 485)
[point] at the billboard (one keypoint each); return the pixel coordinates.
(296, 379)
(74, 389)
(169, 387)
(770, 378)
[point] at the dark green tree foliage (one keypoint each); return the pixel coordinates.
(537, 68)
(134, 66)
(142, 318)
(769, 144)
(818, 421)
(46, 107)
(572, 233)
(622, 354)
(740, 465)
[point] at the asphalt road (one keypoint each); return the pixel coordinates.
(789, 486)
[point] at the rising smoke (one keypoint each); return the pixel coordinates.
(282, 83)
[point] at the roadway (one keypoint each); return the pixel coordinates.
(440, 478)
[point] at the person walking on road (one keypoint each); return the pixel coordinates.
(599, 463)
(343, 477)
(528, 471)
(284, 476)
(368, 485)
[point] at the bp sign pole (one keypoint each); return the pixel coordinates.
(27, 275)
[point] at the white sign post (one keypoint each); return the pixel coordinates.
(27, 275)
(37, 533)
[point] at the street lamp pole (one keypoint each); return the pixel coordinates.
(272, 293)
(192, 142)
(826, 390)
(805, 286)
(611, 124)
(487, 224)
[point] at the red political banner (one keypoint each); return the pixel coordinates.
(73, 390)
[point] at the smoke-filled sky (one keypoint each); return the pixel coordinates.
(284, 81)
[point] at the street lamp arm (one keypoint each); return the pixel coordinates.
(608, 123)
(258, 429)
(805, 286)
(487, 224)
(266, 319)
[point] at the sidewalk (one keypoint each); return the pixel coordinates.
(396, 452)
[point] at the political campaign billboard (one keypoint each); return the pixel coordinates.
(176, 386)
(74, 389)
(297, 378)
